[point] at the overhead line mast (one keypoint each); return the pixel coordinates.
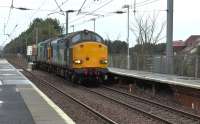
(169, 49)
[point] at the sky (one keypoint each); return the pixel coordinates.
(108, 24)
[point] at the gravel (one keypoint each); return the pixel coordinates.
(115, 111)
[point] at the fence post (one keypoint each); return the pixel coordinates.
(161, 63)
(137, 61)
(196, 67)
(110, 60)
(182, 65)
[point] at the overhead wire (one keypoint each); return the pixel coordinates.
(90, 13)
(61, 5)
(143, 2)
(81, 7)
(11, 7)
(147, 3)
(9, 35)
(58, 6)
(22, 8)
(37, 10)
(99, 17)
(102, 6)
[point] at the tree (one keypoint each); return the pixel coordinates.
(147, 34)
(198, 51)
(116, 46)
(46, 29)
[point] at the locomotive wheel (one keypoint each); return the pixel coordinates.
(80, 81)
(74, 78)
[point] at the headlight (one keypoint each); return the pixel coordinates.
(105, 61)
(77, 61)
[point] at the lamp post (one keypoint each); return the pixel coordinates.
(67, 18)
(72, 26)
(67, 14)
(94, 24)
(128, 56)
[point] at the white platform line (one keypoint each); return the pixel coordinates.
(65, 117)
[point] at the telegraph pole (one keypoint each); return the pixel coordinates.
(169, 49)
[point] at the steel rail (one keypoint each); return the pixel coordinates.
(110, 121)
(152, 102)
(129, 106)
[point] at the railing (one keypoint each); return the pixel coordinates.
(183, 65)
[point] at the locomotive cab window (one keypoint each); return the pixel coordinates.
(86, 36)
(76, 38)
(96, 38)
(91, 36)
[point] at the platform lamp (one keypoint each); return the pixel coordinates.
(67, 18)
(122, 12)
(128, 56)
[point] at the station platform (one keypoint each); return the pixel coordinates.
(21, 102)
(160, 78)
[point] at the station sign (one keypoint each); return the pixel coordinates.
(29, 50)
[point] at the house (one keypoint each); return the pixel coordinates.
(192, 40)
(178, 46)
(187, 47)
(191, 44)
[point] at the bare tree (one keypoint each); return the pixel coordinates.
(147, 33)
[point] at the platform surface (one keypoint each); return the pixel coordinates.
(13, 109)
(21, 102)
(160, 78)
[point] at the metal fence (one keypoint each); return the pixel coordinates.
(183, 65)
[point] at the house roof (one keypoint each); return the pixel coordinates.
(192, 39)
(178, 43)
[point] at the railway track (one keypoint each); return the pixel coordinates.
(96, 113)
(139, 118)
(154, 110)
(149, 108)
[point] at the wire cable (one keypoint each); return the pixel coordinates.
(9, 35)
(58, 6)
(92, 13)
(102, 6)
(37, 9)
(147, 3)
(81, 7)
(11, 7)
(143, 2)
(61, 5)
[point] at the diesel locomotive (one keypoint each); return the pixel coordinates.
(78, 56)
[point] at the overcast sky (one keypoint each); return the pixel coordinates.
(113, 26)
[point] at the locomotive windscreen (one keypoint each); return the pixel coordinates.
(86, 36)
